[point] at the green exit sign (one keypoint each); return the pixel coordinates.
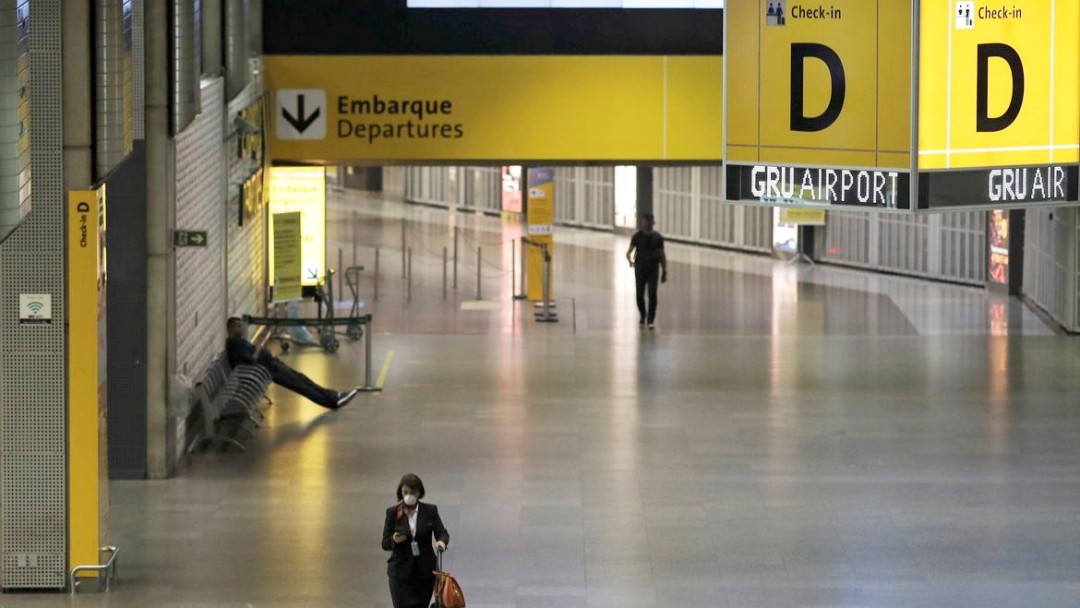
(189, 238)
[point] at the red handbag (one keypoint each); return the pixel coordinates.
(448, 592)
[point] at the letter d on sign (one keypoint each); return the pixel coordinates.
(799, 52)
(984, 123)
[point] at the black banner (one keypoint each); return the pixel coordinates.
(389, 27)
(815, 187)
(1005, 187)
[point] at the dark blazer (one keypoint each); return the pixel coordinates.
(429, 528)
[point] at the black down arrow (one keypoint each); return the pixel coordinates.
(301, 123)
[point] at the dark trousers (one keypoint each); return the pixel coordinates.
(413, 592)
(649, 278)
(300, 384)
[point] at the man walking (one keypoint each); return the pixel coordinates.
(242, 352)
(647, 258)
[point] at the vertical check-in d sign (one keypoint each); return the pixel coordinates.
(301, 114)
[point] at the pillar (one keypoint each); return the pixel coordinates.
(159, 187)
(644, 190)
(212, 59)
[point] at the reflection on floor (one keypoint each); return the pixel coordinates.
(788, 438)
(711, 291)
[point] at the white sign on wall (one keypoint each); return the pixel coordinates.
(35, 308)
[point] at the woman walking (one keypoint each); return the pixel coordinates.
(410, 528)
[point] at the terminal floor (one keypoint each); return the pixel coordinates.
(788, 438)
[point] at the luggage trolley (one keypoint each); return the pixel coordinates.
(326, 321)
(326, 327)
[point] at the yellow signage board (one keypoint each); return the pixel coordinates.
(288, 268)
(802, 217)
(302, 190)
(999, 83)
(495, 108)
(86, 426)
(540, 221)
(819, 85)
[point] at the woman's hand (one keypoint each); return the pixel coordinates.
(441, 545)
(399, 538)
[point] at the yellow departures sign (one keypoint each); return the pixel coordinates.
(999, 83)
(536, 109)
(819, 84)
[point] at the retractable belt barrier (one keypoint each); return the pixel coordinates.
(546, 315)
(326, 323)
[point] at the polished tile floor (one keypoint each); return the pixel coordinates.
(789, 438)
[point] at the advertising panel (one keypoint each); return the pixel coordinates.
(785, 234)
(511, 189)
(302, 190)
(462, 108)
(786, 222)
(999, 247)
(540, 218)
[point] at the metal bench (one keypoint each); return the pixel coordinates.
(229, 398)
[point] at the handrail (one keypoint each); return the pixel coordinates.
(109, 568)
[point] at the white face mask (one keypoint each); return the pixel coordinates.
(410, 500)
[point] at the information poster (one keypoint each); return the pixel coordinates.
(302, 190)
(288, 267)
(999, 247)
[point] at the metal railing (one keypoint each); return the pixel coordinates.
(328, 324)
(108, 569)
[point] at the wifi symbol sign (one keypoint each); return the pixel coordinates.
(35, 308)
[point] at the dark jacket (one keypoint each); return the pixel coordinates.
(429, 528)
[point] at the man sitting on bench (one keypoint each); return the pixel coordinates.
(242, 352)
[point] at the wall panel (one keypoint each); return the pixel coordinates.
(688, 204)
(200, 276)
(33, 450)
(1050, 263)
(246, 253)
(945, 247)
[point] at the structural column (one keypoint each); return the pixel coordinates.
(211, 15)
(78, 88)
(159, 189)
(644, 190)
